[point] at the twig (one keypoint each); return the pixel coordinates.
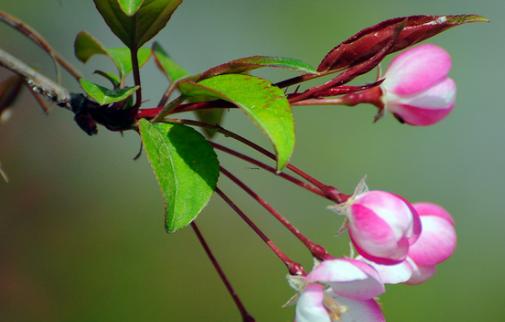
(41, 42)
(37, 82)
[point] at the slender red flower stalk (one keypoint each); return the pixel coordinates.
(293, 267)
(262, 165)
(329, 191)
(246, 317)
(316, 250)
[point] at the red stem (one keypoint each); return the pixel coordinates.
(262, 165)
(246, 317)
(317, 251)
(293, 267)
(329, 191)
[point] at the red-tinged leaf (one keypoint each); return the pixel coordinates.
(246, 64)
(369, 41)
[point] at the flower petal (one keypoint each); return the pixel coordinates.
(417, 69)
(421, 274)
(426, 108)
(360, 311)
(392, 274)
(349, 278)
(309, 307)
(436, 243)
(431, 209)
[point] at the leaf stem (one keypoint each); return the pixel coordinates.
(293, 267)
(246, 317)
(136, 76)
(316, 250)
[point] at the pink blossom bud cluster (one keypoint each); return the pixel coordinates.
(397, 242)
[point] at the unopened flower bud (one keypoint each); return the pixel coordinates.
(417, 89)
(381, 225)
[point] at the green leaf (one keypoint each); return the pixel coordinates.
(170, 68)
(106, 96)
(122, 59)
(265, 104)
(185, 166)
(242, 65)
(136, 30)
(87, 46)
(210, 116)
(111, 77)
(130, 7)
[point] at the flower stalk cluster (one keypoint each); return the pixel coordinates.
(396, 241)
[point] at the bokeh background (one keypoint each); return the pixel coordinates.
(81, 233)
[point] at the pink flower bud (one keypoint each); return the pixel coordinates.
(435, 244)
(382, 226)
(438, 239)
(417, 89)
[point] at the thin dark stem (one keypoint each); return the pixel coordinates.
(316, 250)
(40, 41)
(293, 267)
(246, 317)
(262, 165)
(136, 76)
(330, 192)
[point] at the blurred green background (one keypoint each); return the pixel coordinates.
(81, 233)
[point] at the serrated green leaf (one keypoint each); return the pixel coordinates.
(167, 65)
(130, 7)
(136, 30)
(245, 64)
(185, 166)
(264, 103)
(87, 46)
(122, 58)
(106, 96)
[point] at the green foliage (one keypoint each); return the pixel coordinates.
(167, 65)
(246, 64)
(86, 46)
(185, 166)
(106, 96)
(130, 7)
(111, 77)
(144, 24)
(265, 104)
(122, 59)
(175, 72)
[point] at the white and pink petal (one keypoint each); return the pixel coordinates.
(348, 277)
(417, 70)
